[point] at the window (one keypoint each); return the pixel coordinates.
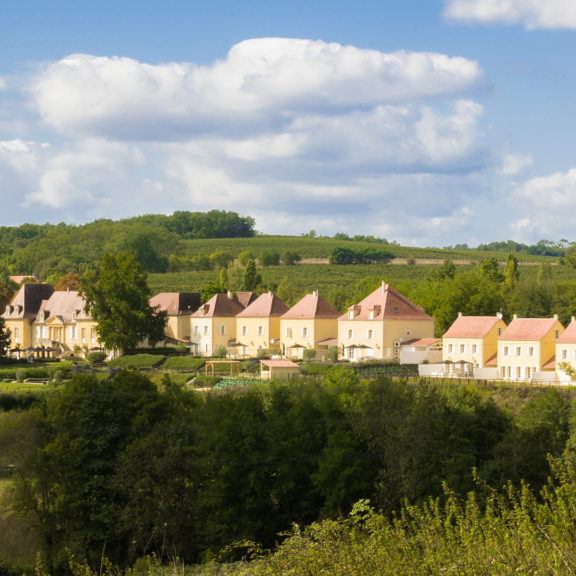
(518, 372)
(350, 314)
(38, 332)
(244, 330)
(499, 331)
(531, 351)
(518, 351)
(260, 330)
(16, 333)
(195, 330)
(503, 371)
(557, 333)
(73, 332)
(509, 371)
(305, 331)
(462, 348)
(564, 354)
(505, 350)
(370, 334)
(528, 371)
(206, 330)
(350, 334)
(450, 348)
(222, 330)
(371, 314)
(288, 332)
(83, 334)
(474, 348)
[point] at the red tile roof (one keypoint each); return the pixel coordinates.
(220, 305)
(279, 363)
(265, 306)
(471, 326)
(551, 364)
(244, 298)
(493, 360)
(176, 303)
(530, 328)
(569, 335)
(386, 304)
(422, 342)
(312, 306)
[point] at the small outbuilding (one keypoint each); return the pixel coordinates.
(278, 369)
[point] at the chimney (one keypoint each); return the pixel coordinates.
(459, 314)
(572, 318)
(315, 293)
(230, 294)
(499, 315)
(555, 316)
(514, 316)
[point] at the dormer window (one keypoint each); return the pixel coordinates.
(396, 310)
(351, 314)
(371, 314)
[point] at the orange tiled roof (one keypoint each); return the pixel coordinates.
(421, 342)
(244, 298)
(550, 365)
(265, 306)
(220, 305)
(176, 303)
(569, 335)
(492, 361)
(312, 306)
(386, 303)
(279, 363)
(471, 326)
(529, 328)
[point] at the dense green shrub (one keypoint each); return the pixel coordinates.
(96, 357)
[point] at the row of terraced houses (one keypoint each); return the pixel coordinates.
(384, 326)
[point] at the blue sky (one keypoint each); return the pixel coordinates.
(427, 122)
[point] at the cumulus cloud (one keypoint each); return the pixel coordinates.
(543, 203)
(261, 83)
(298, 133)
(531, 13)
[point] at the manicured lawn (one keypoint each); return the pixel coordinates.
(21, 387)
(138, 361)
(191, 363)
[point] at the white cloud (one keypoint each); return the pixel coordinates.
(544, 203)
(531, 13)
(513, 164)
(262, 83)
(3, 83)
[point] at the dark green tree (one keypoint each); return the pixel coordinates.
(117, 295)
(511, 274)
(252, 278)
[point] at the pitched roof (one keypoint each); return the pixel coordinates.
(279, 363)
(551, 364)
(244, 298)
(569, 335)
(422, 342)
(529, 328)
(27, 301)
(66, 304)
(176, 303)
(220, 305)
(312, 306)
(386, 303)
(265, 306)
(471, 326)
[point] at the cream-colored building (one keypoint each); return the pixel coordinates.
(566, 350)
(528, 346)
(213, 325)
(20, 314)
(258, 325)
(376, 327)
(471, 342)
(47, 322)
(179, 307)
(63, 325)
(312, 323)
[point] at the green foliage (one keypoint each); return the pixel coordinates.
(96, 357)
(309, 354)
(252, 278)
(289, 258)
(220, 352)
(117, 296)
(189, 363)
(4, 339)
(270, 258)
(344, 255)
(137, 361)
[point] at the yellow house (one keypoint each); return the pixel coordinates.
(258, 325)
(566, 349)
(21, 313)
(312, 323)
(179, 306)
(471, 342)
(63, 326)
(528, 346)
(378, 325)
(214, 325)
